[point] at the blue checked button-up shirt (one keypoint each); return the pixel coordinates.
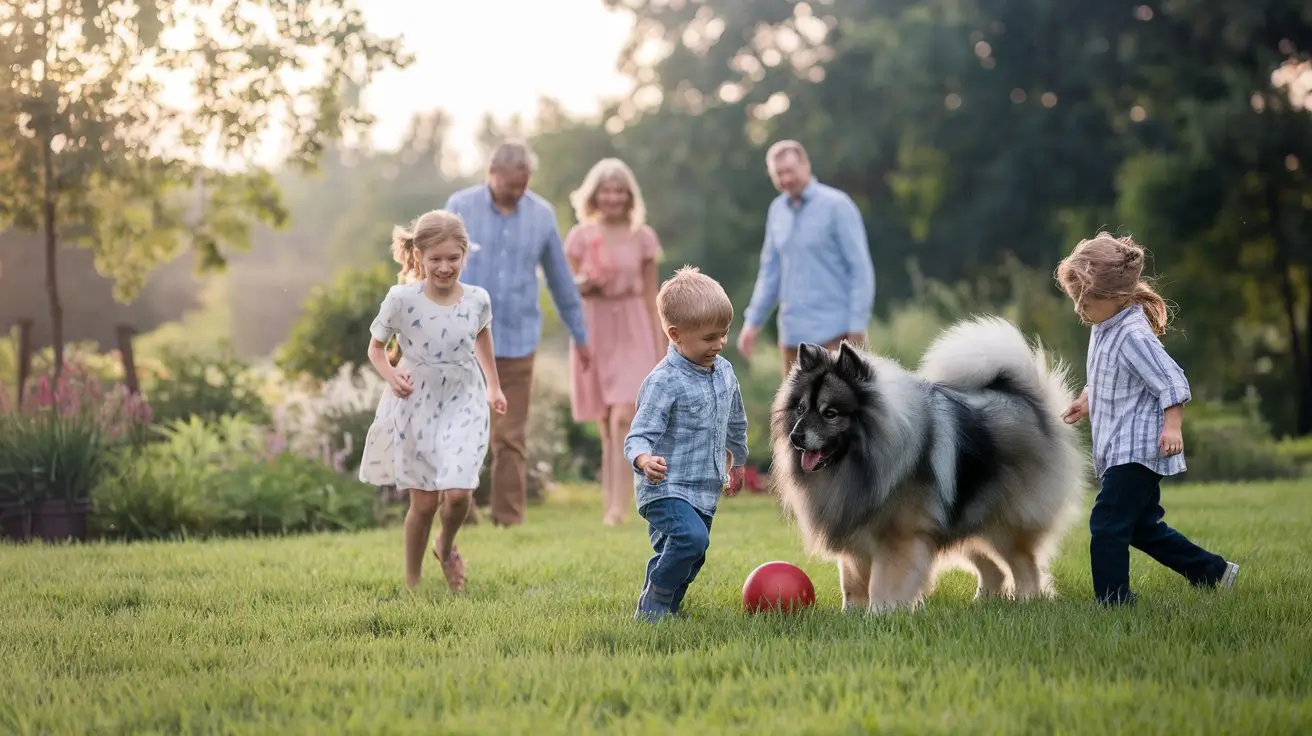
(688, 415)
(815, 264)
(511, 247)
(1131, 381)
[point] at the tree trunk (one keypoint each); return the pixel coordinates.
(24, 356)
(1302, 364)
(52, 261)
(1305, 378)
(125, 333)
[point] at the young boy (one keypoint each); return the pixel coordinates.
(689, 429)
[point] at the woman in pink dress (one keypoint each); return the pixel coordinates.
(614, 256)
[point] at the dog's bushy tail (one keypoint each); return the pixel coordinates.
(989, 351)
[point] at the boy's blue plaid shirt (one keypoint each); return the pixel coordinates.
(688, 415)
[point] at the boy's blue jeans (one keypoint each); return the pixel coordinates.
(1128, 512)
(680, 535)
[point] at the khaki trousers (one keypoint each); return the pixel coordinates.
(509, 442)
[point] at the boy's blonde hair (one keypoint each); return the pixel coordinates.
(584, 199)
(429, 229)
(1107, 267)
(690, 299)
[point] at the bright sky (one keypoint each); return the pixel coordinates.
(498, 56)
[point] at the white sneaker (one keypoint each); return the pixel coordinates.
(1227, 580)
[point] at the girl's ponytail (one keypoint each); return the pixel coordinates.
(407, 254)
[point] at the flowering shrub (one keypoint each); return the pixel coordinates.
(330, 420)
(56, 443)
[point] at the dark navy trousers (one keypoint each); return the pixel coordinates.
(1128, 511)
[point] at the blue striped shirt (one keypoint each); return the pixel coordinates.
(1131, 382)
(688, 415)
(511, 247)
(816, 266)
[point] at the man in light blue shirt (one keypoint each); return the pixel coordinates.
(516, 232)
(815, 262)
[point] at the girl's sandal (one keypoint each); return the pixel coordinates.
(453, 568)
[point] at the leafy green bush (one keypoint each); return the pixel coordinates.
(223, 478)
(1231, 443)
(1297, 450)
(206, 386)
(333, 329)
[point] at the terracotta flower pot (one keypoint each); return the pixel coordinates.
(57, 521)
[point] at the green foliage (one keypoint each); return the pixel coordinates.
(1297, 450)
(222, 478)
(333, 329)
(95, 153)
(970, 158)
(207, 385)
(116, 191)
(1228, 443)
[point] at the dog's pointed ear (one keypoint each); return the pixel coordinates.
(811, 357)
(850, 363)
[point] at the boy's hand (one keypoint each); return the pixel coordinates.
(1171, 442)
(400, 383)
(1079, 409)
(735, 481)
(653, 467)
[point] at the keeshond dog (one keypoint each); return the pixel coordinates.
(897, 475)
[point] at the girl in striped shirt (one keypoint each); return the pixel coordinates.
(1134, 398)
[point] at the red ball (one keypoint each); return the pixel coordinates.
(778, 586)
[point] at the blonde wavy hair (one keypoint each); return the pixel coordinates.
(1107, 267)
(584, 199)
(408, 246)
(429, 229)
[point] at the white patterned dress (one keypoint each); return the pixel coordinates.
(435, 438)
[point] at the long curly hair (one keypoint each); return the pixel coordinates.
(1107, 267)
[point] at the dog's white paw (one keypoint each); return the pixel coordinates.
(880, 608)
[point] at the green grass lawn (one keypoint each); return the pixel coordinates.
(317, 634)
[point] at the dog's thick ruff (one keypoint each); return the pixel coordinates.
(894, 473)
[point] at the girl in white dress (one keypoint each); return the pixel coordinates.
(430, 432)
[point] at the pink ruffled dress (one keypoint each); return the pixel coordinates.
(620, 329)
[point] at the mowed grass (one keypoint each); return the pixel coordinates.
(318, 635)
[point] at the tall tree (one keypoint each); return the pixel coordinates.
(139, 122)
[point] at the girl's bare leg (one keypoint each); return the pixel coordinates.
(455, 507)
(418, 525)
(620, 490)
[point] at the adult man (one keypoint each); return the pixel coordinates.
(516, 231)
(815, 263)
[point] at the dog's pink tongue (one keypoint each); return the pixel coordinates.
(810, 459)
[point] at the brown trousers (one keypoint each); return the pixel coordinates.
(790, 353)
(509, 442)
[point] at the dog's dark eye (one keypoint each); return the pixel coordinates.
(801, 409)
(829, 414)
